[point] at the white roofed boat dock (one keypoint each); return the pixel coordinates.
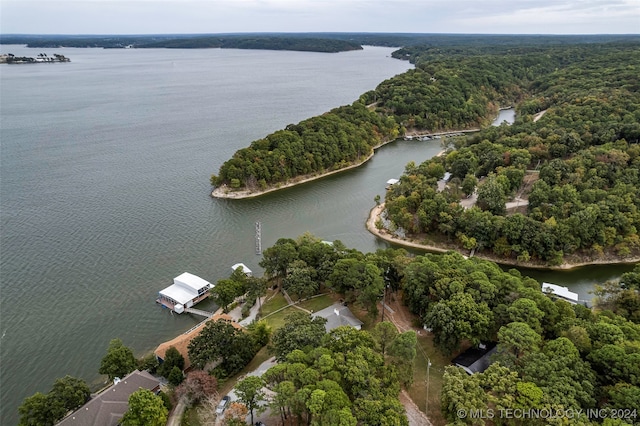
(187, 290)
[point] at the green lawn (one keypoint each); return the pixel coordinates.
(275, 318)
(317, 303)
(272, 304)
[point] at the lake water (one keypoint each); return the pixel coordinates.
(104, 193)
(507, 115)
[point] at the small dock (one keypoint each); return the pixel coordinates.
(200, 312)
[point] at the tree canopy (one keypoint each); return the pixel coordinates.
(222, 345)
(300, 331)
(119, 360)
(145, 409)
(576, 165)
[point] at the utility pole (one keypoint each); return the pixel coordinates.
(426, 406)
(384, 296)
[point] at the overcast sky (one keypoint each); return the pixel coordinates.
(221, 16)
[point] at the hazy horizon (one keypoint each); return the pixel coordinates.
(143, 17)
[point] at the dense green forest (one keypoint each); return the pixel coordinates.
(454, 86)
(577, 166)
(341, 137)
(551, 356)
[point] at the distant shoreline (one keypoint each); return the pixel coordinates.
(376, 211)
(40, 59)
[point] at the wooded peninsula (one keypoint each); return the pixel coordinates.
(571, 156)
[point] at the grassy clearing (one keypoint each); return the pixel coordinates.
(272, 304)
(317, 303)
(275, 317)
(277, 320)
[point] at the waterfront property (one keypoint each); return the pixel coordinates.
(181, 342)
(109, 406)
(561, 292)
(337, 315)
(475, 360)
(187, 290)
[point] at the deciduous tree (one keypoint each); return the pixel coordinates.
(145, 409)
(172, 358)
(71, 392)
(197, 386)
(300, 330)
(250, 393)
(119, 360)
(40, 410)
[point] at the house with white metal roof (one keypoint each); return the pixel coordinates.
(187, 290)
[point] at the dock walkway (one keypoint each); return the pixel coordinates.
(199, 312)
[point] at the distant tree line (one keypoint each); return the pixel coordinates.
(371, 39)
(262, 42)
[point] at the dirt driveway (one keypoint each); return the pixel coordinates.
(397, 314)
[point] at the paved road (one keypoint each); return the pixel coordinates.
(257, 372)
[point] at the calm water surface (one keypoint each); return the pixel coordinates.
(104, 193)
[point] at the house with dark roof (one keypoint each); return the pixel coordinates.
(108, 407)
(476, 359)
(337, 315)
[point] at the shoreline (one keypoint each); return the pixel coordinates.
(226, 193)
(375, 212)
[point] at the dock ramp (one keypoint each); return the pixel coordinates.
(199, 312)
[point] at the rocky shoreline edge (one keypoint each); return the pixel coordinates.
(225, 192)
(376, 211)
